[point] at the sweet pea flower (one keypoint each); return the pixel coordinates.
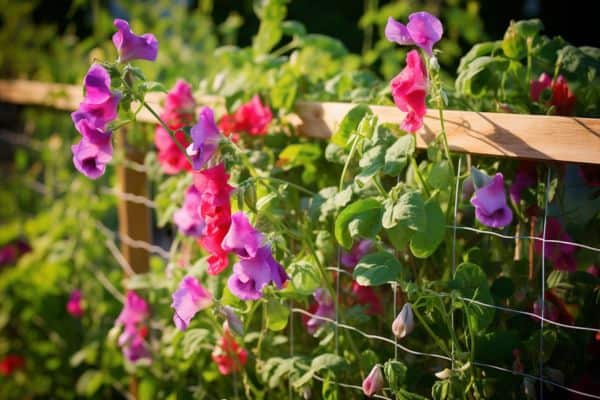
(560, 254)
(99, 105)
(205, 139)
(131, 46)
(136, 350)
(90, 158)
(232, 320)
(423, 30)
(74, 305)
(490, 204)
(555, 308)
(131, 340)
(242, 239)
(11, 363)
(227, 354)
(170, 157)
(252, 118)
(373, 382)
(404, 322)
(323, 307)
(525, 177)
(367, 296)
(409, 89)
(187, 218)
(562, 98)
(189, 298)
(358, 251)
(251, 275)
(135, 310)
(180, 106)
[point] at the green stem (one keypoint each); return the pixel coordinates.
(443, 134)
(165, 127)
(347, 163)
(283, 182)
(413, 162)
(379, 186)
(285, 48)
(435, 337)
(243, 157)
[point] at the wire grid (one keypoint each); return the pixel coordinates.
(541, 318)
(111, 236)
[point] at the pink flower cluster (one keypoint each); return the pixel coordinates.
(252, 118)
(132, 318)
(75, 304)
(562, 99)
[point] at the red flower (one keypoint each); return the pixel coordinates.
(367, 296)
(252, 118)
(10, 363)
(562, 98)
(228, 355)
(555, 309)
(561, 254)
(409, 90)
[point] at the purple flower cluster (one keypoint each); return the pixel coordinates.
(131, 46)
(205, 139)
(98, 108)
(190, 298)
(256, 267)
(422, 29)
(132, 317)
(491, 208)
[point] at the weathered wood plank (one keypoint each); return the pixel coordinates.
(495, 134)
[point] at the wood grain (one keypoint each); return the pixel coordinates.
(520, 136)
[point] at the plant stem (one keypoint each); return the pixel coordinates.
(347, 163)
(284, 182)
(243, 157)
(379, 186)
(435, 337)
(165, 127)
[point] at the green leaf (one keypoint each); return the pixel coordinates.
(425, 242)
(471, 282)
(362, 218)
(283, 93)
(399, 236)
(349, 124)
(408, 211)
(395, 374)
(192, 341)
(305, 277)
(89, 382)
(147, 389)
(440, 175)
(396, 156)
(152, 87)
(293, 28)
(377, 269)
(277, 315)
(326, 361)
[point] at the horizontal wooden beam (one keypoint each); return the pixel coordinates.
(536, 137)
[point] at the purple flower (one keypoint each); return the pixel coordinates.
(490, 204)
(99, 105)
(525, 177)
(135, 311)
(242, 239)
(324, 308)
(373, 382)
(251, 275)
(359, 250)
(423, 29)
(74, 305)
(90, 158)
(131, 46)
(136, 350)
(205, 139)
(187, 218)
(189, 298)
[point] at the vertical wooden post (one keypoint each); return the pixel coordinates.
(134, 218)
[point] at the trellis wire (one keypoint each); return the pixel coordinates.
(452, 346)
(543, 279)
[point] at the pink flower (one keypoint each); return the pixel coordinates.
(323, 307)
(409, 89)
(358, 251)
(131, 340)
(562, 98)
(74, 305)
(11, 363)
(180, 106)
(171, 159)
(490, 204)
(560, 254)
(252, 118)
(423, 29)
(366, 296)
(189, 298)
(228, 355)
(373, 382)
(251, 275)
(525, 177)
(187, 218)
(131, 46)
(205, 139)
(242, 239)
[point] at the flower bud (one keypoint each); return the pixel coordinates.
(373, 382)
(404, 322)
(434, 65)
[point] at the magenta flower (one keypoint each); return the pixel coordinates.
(99, 105)
(324, 307)
(91, 158)
(189, 298)
(242, 239)
(423, 29)
(490, 203)
(358, 251)
(74, 305)
(135, 349)
(409, 89)
(251, 275)
(187, 218)
(525, 177)
(560, 254)
(205, 139)
(135, 311)
(131, 46)
(373, 382)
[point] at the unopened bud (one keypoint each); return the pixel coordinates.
(404, 322)
(373, 382)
